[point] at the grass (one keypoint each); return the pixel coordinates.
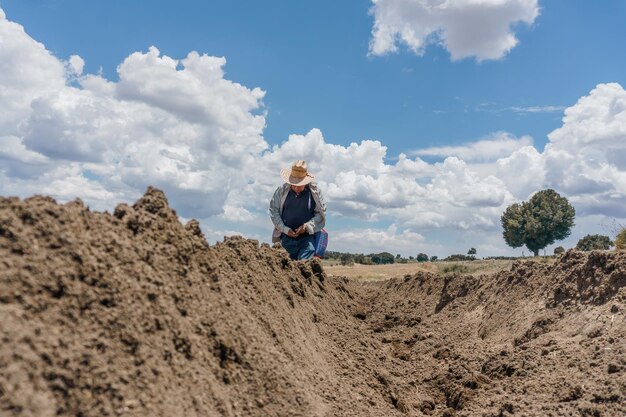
(620, 240)
(383, 272)
(455, 269)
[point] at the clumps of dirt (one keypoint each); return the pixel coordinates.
(502, 344)
(134, 314)
(593, 278)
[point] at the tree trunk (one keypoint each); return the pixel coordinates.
(536, 252)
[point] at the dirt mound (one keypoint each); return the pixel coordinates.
(132, 313)
(539, 339)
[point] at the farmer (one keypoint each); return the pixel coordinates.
(298, 211)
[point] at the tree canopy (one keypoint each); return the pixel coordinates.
(422, 257)
(382, 258)
(594, 242)
(545, 218)
(346, 259)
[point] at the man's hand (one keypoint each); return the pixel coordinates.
(295, 233)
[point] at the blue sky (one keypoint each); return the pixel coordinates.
(315, 64)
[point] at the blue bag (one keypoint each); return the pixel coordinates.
(321, 241)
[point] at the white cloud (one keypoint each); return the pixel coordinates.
(466, 28)
(523, 172)
(492, 107)
(175, 124)
(585, 158)
(458, 184)
(391, 240)
(587, 155)
(64, 183)
(359, 184)
(499, 145)
(75, 65)
(598, 118)
(13, 149)
(537, 109)
(27, 70)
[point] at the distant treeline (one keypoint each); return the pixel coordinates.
(387, 258)
(460, 257)
(359, 258)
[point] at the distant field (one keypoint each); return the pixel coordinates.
(383, 272)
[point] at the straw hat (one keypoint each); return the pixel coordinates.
(298, 174)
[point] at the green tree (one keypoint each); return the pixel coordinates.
(347, 259)
(545, 218)
(434, 258)
(422, 257)
(558, 250)
(362, 259)
(382, 258)
(472, 251)
(459, 257)
(594, 242)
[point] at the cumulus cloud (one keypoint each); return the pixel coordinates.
(360, 184)
(176, 124)
(75, 65)
(466, 28)
(27, 70)
(523, 172)
(64, 182)
(585, 156)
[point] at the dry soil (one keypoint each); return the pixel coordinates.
(134, 314)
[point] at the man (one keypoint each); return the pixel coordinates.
(298, 211)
